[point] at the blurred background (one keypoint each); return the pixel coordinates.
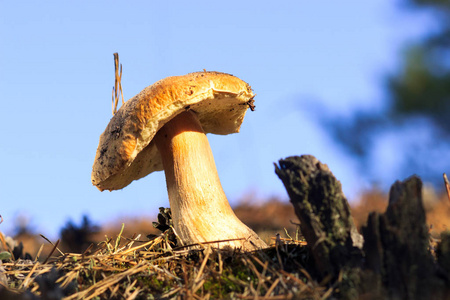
(362, 85)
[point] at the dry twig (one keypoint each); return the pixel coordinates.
(117, 88)
(447, 186)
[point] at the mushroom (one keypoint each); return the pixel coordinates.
(164, 128)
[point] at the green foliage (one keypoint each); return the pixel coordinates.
(422, 86)
(417, 100)
(435, 4)
(5, 255)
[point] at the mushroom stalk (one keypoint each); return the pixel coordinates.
(200, 209)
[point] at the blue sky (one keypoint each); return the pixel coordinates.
(57, 72)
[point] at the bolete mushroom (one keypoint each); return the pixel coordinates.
(164, 127)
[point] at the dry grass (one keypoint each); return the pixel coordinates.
(123, 264)
(155, 269)
(266, 217)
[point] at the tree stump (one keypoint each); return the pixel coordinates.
(443, 255)
(395, 261)
(397, 248)
(324, 214)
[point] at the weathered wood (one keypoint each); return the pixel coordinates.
(395, 262)
(397, 248)
(324, 213)
(443, 255)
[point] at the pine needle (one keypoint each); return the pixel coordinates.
(113, 271)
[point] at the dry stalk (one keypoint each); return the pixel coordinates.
(4, 245)
(50, 242)
(25, 282)
(117, 88)
(101, 286)
(447, 186)
(55, 246)
(190, 272)
(205, 260)
(272, 287)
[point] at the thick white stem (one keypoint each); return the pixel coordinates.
(200, 209)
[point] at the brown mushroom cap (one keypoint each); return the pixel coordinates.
(126, 151)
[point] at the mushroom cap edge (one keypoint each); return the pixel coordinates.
(126, 151)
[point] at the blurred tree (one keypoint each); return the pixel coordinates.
(422, 86)
(418, 103)
(77, 239)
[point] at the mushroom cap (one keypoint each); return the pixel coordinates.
(126, 151)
